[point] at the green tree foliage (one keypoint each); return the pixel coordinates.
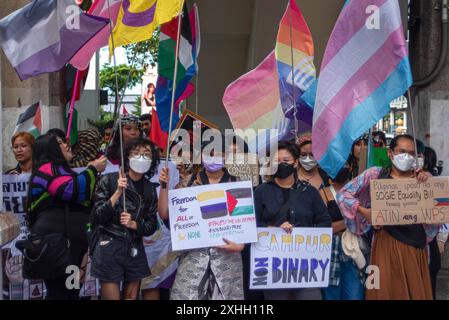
(138, 106)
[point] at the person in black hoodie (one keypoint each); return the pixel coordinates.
(118, 253)
(303, 205)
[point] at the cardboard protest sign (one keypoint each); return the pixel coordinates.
(245, 167)
(202, 216)
(287, 261)
(404, 201)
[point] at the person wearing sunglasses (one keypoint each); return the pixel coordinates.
(118, 254)
(400, 252)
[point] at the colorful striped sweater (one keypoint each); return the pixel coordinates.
(54, 185)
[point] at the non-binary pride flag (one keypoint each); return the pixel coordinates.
(137, 19)
(295, 51)
(44, 35)
(30, 120)
(365, 67)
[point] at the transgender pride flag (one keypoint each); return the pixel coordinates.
(363, 70)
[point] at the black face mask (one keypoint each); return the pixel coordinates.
(284, 170)
(343, 176)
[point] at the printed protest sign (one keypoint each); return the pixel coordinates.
(245, 167)
(287, 261)
(202, 216)
(404, 201)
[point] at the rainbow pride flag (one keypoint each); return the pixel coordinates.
(363, 70)
(294, 56)
(253, 102)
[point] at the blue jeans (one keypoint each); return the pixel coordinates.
(350, 287)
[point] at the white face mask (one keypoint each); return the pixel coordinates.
(403, 162)
(139, 164)
(308, 163)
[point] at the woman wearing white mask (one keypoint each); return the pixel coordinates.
(213, 273)
(117, 249)
(398, 251)
(308, 170)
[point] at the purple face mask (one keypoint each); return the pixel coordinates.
(213, 164)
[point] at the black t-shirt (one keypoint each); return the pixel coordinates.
(334, 211)
(138, 186)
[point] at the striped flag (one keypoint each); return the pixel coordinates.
(70, 92)
(363, 70)
(30, 120)
(43, 36)
(295, 50)
(104, 9)
(137, 20)
(253, 102)
(212, 204)
(166, 66)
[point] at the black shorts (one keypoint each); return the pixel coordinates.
(112, 261)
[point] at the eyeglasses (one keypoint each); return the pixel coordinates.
(138, 155)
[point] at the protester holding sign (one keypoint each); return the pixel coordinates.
(398, 251)
(288, 203)
(345, 282)
(59, 202)
(22, 147)
(131, 129)
(213, 273)
(117, 248)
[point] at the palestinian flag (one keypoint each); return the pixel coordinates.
(30, 121)
(240, 201)
(70, 91)
(188, 50)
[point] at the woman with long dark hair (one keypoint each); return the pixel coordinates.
(118, 254)
(59, 202)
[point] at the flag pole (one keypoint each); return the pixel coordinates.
(175, 74)
(115, 62)
(116, 102)
(412, 118)
(72, 104)
(293, 71)
(76, 87)
(196, 93)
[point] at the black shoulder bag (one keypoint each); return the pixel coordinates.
(46, 256)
